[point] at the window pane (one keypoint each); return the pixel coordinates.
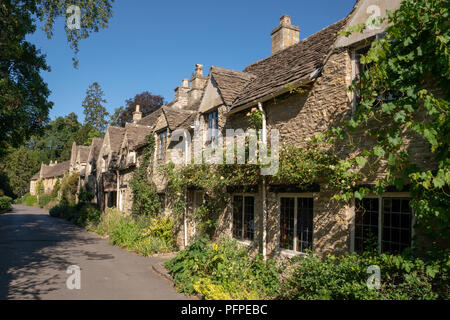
(397, 218)
(366, 224)
(305, 214)
(249, 218)
(237, 216)
(287, 207)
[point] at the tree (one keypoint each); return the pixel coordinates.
(114, 119)
(18, 167)
(148, 103)
(94, 110)
(24, 104)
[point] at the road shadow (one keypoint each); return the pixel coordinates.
(36, 250)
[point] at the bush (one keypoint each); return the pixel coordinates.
(83, 214)
(44, 200)
(223, 271)
(5, 204)
(344, 278)
(29, 200)
(68, 189)
(143, 234)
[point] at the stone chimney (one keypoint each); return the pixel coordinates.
(137, 115)
(182, 94)
(198, 82)
(285, 35)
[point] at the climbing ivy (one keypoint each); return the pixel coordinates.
(404, 98)
(145, 197)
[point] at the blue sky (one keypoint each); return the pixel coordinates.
(153, 45)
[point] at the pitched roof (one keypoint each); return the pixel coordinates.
(96, 145)
(115, 138)
(230, 82)
(55, 170)
(136, 135)
(36, 176)
(83, 153)
(293, 64)
(151, 119)
(175, 117)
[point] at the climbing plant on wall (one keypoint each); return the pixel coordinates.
(405, 91)
(145, 196)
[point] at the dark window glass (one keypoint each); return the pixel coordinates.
(243, 218)
(237, 216)
(249, 221)
(305, 214)
(397, 218)
(366, 224)
(287, 223)
(213, 125)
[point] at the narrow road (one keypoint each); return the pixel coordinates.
(36, 250)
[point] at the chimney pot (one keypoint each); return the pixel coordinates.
(199, 69)
(185, 83)
(137, 115)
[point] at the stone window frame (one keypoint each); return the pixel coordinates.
(161, 152)
(394, 195)
(242, 240)
(310, 195)
(215, 125)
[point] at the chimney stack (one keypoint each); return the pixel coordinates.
(285, 35)
(181, 94)
(137, 115)
(198, 82)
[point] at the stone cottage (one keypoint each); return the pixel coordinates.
(49, 175)
(301, 90)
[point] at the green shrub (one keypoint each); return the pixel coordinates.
(83, 214)
(223, 270)
(68, 189)
(29, 200)
(5, 204)
(345, 278)
(44, 199)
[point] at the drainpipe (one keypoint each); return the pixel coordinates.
(186, 160)
(264, 205)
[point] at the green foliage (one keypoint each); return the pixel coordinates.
(223, 271)
(82, 214)
(226, 271)
(29, 200)
(69, 186)
(143, 234)
(407, 87)
(94, 109)
(255, 117)
(85, 195)
(345, 278)
(145, 197)
(44, 199)
(5, 204)
(56, 188)
(39, 187)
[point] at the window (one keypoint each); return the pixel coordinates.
(388, 218)
(213, 125)
(296, 223)
(162, 145)
(244, 217)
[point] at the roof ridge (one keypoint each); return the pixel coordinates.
(295, 45)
